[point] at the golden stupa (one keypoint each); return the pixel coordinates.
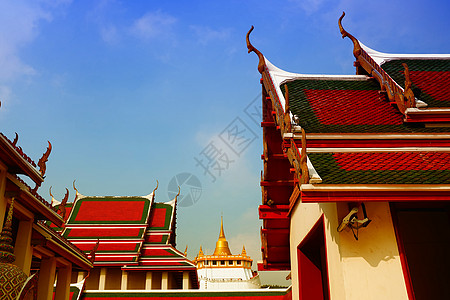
(222, 244)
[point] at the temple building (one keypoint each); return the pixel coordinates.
(356, 179)
(32, 255)
(225, 271)
(131, 241)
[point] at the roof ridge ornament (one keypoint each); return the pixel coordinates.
(77, 194)
(43, 160)
(54, 201)
(16, 138)
(251, 48)
(151, 196)
(356, 45)
(410, 100)
(157, 185)
(62, 206)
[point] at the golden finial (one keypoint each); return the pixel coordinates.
(244, 253)
(43, 160)
(185, 251)
(356, 45)
(250, 48)
(200, 252)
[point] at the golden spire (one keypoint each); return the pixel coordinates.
(200, 253)
(244, 253)
(222, 244)
(185, 251)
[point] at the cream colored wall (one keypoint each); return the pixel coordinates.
(366, 269)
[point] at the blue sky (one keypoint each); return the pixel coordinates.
(130, 92)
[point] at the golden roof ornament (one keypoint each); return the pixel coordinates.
(356, 45)
(244, 253)
(250, 48)
(43, 160)
(200, 252)
(222, 248)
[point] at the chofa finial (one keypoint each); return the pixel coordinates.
(356, 45)
(43, 160)
(157, 185)
(250, 48)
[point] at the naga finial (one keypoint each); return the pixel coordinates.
(250, 48)
(409, 94)
(54, 202)
(356, 45)
(93, 251)
(73, 184)
(16, 138)
(62, 206)
(157, 185)
(178, 194)
(43, 160)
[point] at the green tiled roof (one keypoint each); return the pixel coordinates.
(382, 168)
(346, 106)
(430, 78)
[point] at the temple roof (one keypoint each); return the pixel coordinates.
(379, 135)
(346, 104)
(132, 231)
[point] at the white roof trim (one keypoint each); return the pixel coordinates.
(380, 57)
(314, 177)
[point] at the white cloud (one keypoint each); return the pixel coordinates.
(153, 24)
(205, 34)
(19, 26)
(109, 34)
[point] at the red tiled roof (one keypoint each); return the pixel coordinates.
(110, 233)
(351, 107)
(158, 252)
(109, 247)
(110, 210)
(435, 84)
(158, 217)
(394, 161)
(383, 167)
(431, 76)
